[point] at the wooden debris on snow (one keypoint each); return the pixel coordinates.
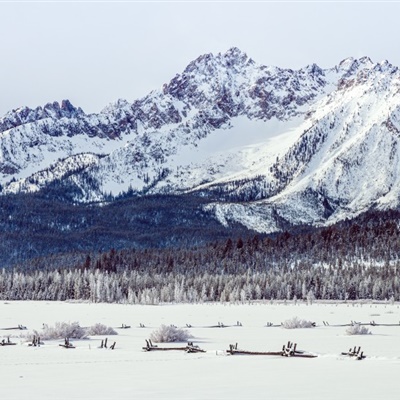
(356, 353)
(7, 343)
(19, 327)
(288, 350)
(36, 342)
(104, 344)
(189, 348)
(67, 344)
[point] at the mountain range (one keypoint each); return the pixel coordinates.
(259, 145)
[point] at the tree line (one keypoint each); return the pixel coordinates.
(349, 282)
(351, 260)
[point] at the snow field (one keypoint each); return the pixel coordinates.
(88, 372)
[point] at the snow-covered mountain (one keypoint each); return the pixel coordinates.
(264, 144)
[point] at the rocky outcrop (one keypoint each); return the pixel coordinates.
(302, 146)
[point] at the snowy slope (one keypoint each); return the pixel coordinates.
(347, 161)
(265, 144)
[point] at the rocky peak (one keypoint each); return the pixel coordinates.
(385, 66)
(68, 110)
(234, 57)
(350, 66)
(313, 70)
(199, 63)
(19, 117)
(54, 110)
(116, 105)
(25, 115)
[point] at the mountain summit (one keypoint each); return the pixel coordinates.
(263, 144)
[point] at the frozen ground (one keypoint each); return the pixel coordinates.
(87, 372)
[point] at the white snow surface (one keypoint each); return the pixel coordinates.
(318, 145)
(88, 372)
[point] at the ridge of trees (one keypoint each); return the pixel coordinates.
(351, 260)
(35, 225)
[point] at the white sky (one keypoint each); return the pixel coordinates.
(96, 52)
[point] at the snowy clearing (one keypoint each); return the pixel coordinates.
(90, 372)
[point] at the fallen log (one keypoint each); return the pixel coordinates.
(254, 353)
(69, 346)
(288, 350)
(7, 343)
(220, 325)
(189, 348)
(271, 325)
(150, 347)
(19, 327)
(352, 323)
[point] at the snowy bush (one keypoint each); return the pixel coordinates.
(100, 329)
(357, 329)
(62, 330)
(170, 334)
(297, 323)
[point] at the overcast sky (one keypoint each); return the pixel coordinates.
(96, 52)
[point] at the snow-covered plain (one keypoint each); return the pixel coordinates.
(88, 372)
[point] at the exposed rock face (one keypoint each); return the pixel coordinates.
(264, 143)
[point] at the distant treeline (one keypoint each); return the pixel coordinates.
(348, 282)
(356, 259)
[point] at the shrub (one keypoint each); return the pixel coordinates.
(100, 329)
(297, 323)
(62, 330)
(170, 334)
(357, 329)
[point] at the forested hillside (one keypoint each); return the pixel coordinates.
(351, 260)
(46, 223)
